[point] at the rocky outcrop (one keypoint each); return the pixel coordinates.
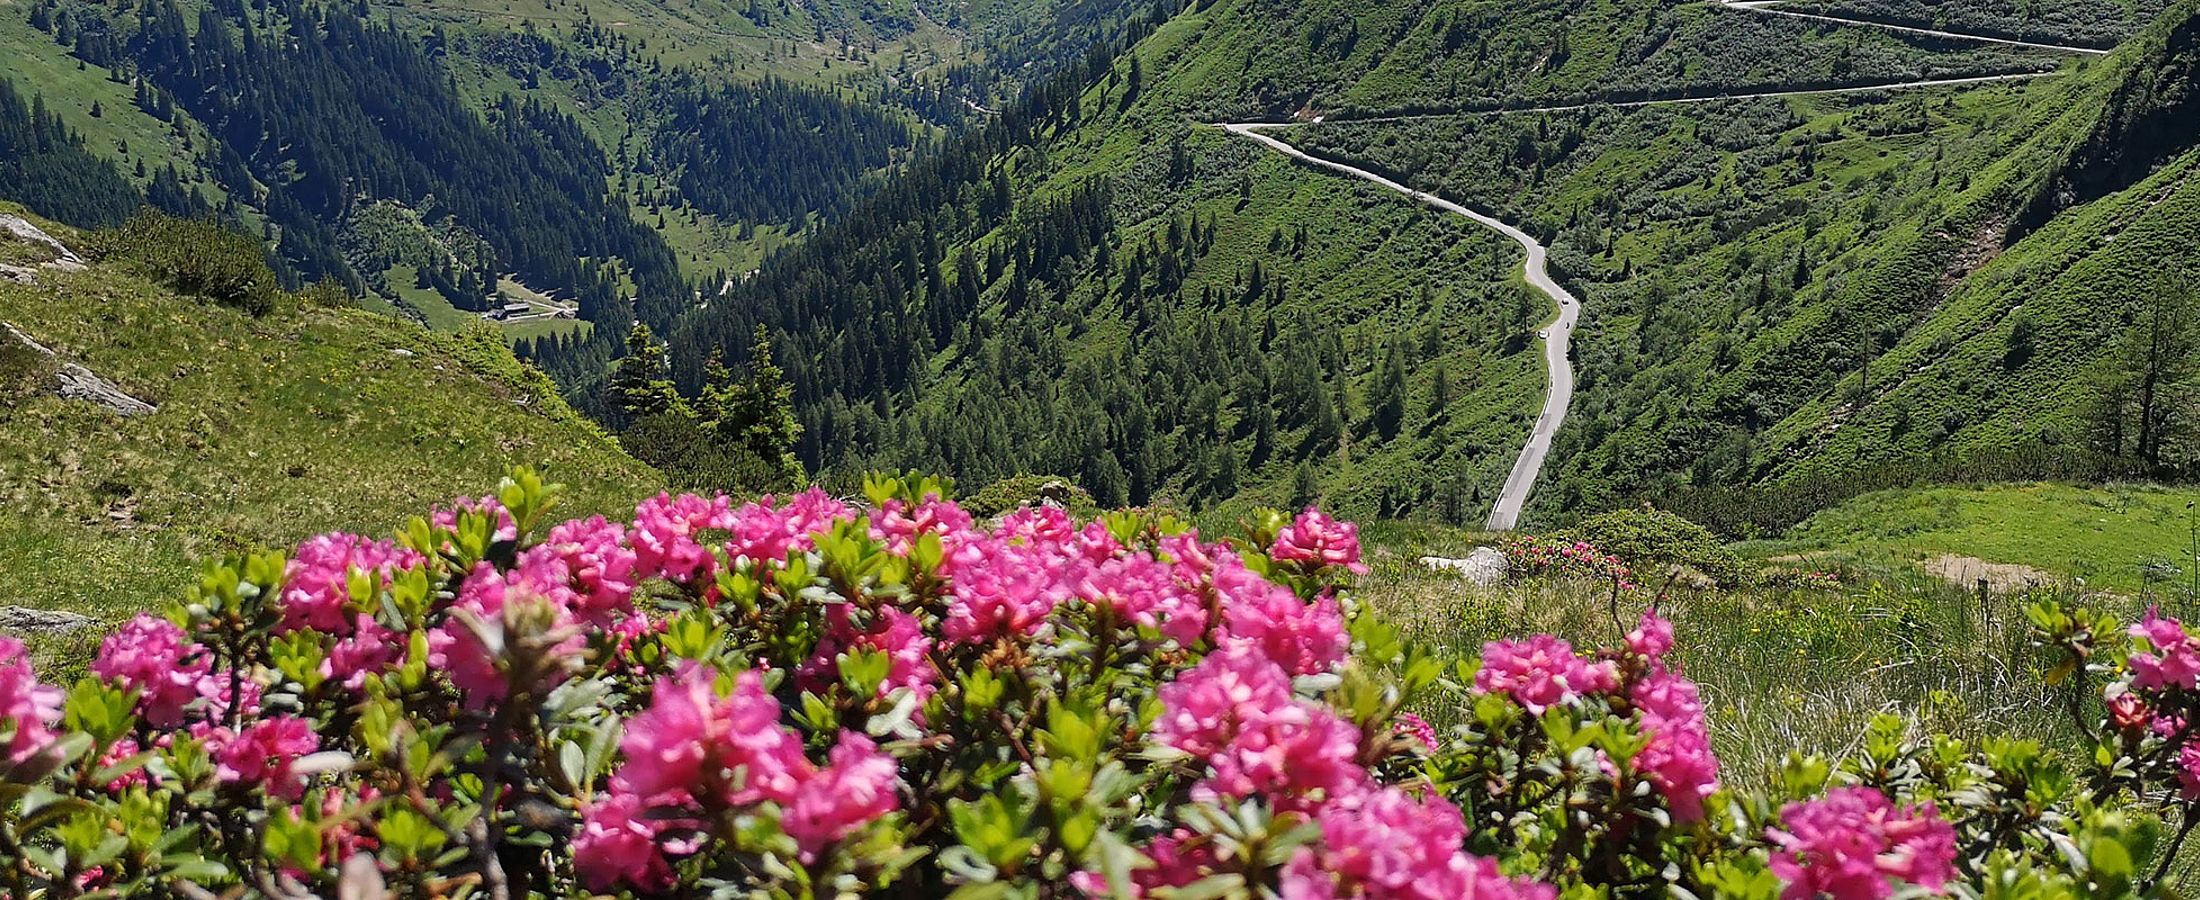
(79, 383)
(29, 233)
(1485, 566)
(24, 620)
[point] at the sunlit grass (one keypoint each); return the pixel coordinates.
(1782, 670)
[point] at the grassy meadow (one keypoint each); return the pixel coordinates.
(1782, 669)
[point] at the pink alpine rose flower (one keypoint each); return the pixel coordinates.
(765, 533)
(29, 707)
(665, 535)
(2174, 660)
(1204, 708)
(896, 633)
(1539, 673)
(728, 750)
(1004, 589)
(1303, 638)
(603, 568)
(617, 844)
(1299, 757)
(478, 668)
(316, 590)
(1678, 758)
(368, 648)
(1140, 590)
(1652, 637)
(1853, 843)
(154, 657)
(1387, 843)
(264, 754)
(1320, 541)
(857, 786)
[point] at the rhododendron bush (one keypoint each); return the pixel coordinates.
(797, 697)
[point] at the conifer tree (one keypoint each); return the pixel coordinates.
(757, 414)
(642, 385)
(1389, 402)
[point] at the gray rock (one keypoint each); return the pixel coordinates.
(78, 383)
(1485, 566)
(26, 231)
(24, 620)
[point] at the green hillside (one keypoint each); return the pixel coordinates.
(1054, 286)
(1795, 300)
(267, 430)
(1242, 58)
(2131, 539)
(2092, 23)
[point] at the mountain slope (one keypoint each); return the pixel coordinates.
(267, 430)
(1099, 287)
(1794, 300)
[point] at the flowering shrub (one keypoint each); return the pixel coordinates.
(801, 697)
(1543, 556)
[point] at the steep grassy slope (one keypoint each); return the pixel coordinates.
(1815, 296)
(2123, 538)
(1239, 58)
(268, 430)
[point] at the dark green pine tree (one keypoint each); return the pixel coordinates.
(758, 415)
(1439, 391)
(641, 384)
(1389, 403)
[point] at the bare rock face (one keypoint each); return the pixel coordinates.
(30, 233)
(24, 620)
(1485, 566)
(79, 383)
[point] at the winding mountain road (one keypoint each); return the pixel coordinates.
(1558, 335)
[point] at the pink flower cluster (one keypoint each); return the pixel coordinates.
(27, 707)
(668, 535)
(2164, 666)
(1541, 672)
(1388, 843)
(1677, 760)
(1236, 714)
(1235, 711)
(1319, 541)
(766, 531)
(264, 753)
(1855, 845)
(1538, 555)
(697, 752)
(154, 657)
(317, 580)
(2173, 657)
(471, 643)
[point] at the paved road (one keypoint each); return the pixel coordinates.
(1557, 336)
(1678, 101)
(1767, 7)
